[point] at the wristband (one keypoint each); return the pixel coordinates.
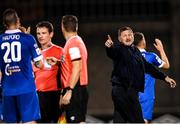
(69, 88)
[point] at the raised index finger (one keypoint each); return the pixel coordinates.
(109, 37)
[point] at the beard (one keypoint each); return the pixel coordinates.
(127, 42)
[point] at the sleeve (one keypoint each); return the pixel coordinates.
(157, 61)
(115, 51)
(34, 49)
(74, 49)
(150, 69)
(74, 53)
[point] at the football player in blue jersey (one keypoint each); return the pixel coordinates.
(147, 98)
(17, 50)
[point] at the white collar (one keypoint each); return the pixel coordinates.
(12, 31)
(142, 50)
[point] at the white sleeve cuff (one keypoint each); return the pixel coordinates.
(38, 58)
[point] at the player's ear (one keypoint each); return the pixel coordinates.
(52, 34)
(28, 31)
(18, 22)
(119, 38)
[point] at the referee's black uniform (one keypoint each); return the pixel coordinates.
(127, 79)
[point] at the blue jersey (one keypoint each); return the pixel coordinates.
(17, 50)
(149, 80)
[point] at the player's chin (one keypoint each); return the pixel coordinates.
(128, 43)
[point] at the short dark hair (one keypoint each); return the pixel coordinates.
(123, 29)
(138, 37)
(70, 23)
(46, 24)
(10, 17)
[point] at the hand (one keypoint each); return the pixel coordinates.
(47, 66)
(109, 42)
(51, 60)
(24, 30)
(66, 98)
(60, 101)
(171, 82)
(158, 45)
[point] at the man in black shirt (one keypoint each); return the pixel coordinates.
(127, 77)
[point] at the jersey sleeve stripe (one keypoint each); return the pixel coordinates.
(37, 58)
(162, 64)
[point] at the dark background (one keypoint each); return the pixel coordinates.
(98, 18)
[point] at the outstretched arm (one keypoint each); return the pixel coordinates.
(150, 69)
(113, 49)
(52, 61)
(159, 46)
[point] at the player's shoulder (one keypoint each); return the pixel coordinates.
(150, 53)
(76, 39)
(4, 34)
(57, 47)
(26, 35)
(77, 42)
(1, 35)
(55, 50)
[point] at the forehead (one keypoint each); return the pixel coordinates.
(126, 32)
(42, 29)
